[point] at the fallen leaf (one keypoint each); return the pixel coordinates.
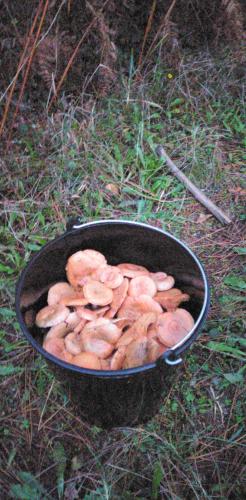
(113, 188)
(202, 218)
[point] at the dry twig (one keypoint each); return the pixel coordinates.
(28, 69)
(165, 26)
(197, 193)
(147, 30)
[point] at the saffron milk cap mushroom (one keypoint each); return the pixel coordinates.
(57, 291)
(138, 329)
(97, 346)
(52, 315)
(158, 278)
(75, 300)
(119, 295)
(117, 319)
(83, 263)
(155, 349)
(73, 343)
(58, 331)
(136, 353)
(97, 293)
(80, 326)
(134, 307)
(89, 315)
(118, 358)
(73, 320)
(105, 363)
(111, 276)
(104, 329)
(132, 270)
(171, 299)
(172, 327)
(165, 284)
(142, 285)
(87, 360)
(56, 347)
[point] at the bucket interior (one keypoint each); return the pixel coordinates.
(119, 242)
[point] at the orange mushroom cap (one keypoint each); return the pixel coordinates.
(172, 327)
(87, 360)
(97, 293)
(51, 315)
(142, 285)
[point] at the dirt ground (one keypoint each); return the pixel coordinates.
(124, 35)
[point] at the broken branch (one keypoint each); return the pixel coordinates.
(197, 193)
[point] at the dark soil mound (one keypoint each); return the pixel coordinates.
(111, 33)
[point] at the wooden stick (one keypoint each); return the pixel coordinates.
(197, 193)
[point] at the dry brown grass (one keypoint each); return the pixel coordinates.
(57, 51)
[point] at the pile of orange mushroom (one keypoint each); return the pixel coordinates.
(112, 317)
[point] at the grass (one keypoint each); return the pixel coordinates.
(59, 167)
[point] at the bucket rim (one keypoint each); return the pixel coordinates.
(174, 351)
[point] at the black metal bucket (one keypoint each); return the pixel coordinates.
(126, 397)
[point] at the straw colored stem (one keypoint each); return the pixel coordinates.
(163, 23)
(28, 69)
(12, 89)
(147, 30)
